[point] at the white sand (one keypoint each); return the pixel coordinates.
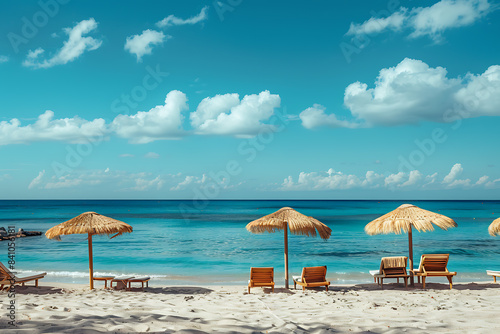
(468, 308)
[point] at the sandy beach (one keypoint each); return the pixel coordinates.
(72, 308)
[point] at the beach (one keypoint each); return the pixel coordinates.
(362, 308)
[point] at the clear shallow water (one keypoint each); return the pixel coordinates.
(176, 243)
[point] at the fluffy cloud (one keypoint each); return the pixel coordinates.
(73, 48)
(119, 180)
(412, 92)
(227, 115)
(142, 44)
(3, 59)
(376, 25)
(315, 117)
(73, 130)
(37, 180)
(172, 20)
(161, 122)
(431, 21)
(336, 180)
(218, 115)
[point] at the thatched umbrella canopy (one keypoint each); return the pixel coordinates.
(406, 217)
(288, 218)
(494, 228)
(90, 223)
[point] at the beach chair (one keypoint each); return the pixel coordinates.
(434, 265)
(141, 280)
(391, 267)
(121, 282)
(260, 277)
(106, 279)
(311, 277)
(493, 273)
(8, 278)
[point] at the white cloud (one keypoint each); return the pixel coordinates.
(73, 48)
(446, 14)
(394, 180)
(315, 117)
(413, 92)
(376, 25)
(429, 21)
(415, 180)
(172, 20)
(142, 184)
(227, 115)
(142, 44)
(414, 177)
(37, 180)
(161, 122)
(482, 180)
(73, 130)
(455, 172)
(4, 59)
(151, 155)
(190, 180)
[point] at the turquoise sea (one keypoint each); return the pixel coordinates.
(186, 242)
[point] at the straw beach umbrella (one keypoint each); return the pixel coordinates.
(288, 218)
(494, 228)
(403, 219)
(90, 223)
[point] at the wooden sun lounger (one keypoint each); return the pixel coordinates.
(311, 277)
(391, 267)
(493, 273)
(141, 280)
(434, 265)
(121, 282)
(105, 279)
(260, 277)
(8, 278)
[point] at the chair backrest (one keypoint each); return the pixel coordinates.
(262, 275)
(314, 274)
(396, 265)
(5, 273)
(434, 262)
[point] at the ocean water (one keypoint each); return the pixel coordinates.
(186, 242)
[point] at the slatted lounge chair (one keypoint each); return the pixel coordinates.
(8, 278)
(105, 279)
(311, 277)
(121, 282)
(391, 267)
(493, 273)
(141, 280)
(260, 277)
(434, 265)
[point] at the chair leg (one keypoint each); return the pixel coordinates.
(273, 288)
(450, 280)
(398, 280)
(294, 285)
(423, 282)
(406, 282)
(494, 279)
(381, 283)
(36, 283)
(326, 287)
(249, 289)
(374, 279)
(303, 288)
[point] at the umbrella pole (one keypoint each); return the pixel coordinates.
(91, 263)
(410, 247)
(286, 256)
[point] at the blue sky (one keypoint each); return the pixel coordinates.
(250, 99)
